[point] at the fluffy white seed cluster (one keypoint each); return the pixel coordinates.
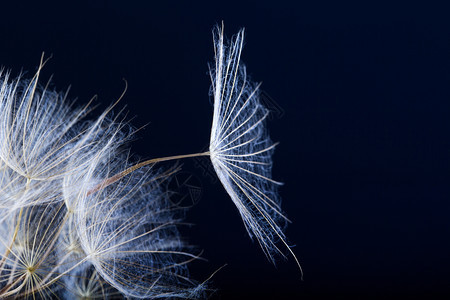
(65, 231)
(78, 220)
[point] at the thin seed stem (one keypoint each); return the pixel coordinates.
(131, 169)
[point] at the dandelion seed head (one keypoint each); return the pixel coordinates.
(60, 225)
(79, 220)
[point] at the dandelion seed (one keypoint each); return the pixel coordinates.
(240, 148)
(128, 232)
(29, 257)
(36, 129)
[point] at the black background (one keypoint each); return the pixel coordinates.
(362, 98)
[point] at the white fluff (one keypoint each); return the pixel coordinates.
(128, 232)
(240, 148)
(78, 219)
(62, 217)
(36, 130)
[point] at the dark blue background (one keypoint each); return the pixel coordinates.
(363, 99)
